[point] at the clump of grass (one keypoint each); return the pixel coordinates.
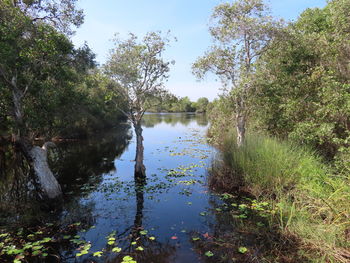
(311, 201)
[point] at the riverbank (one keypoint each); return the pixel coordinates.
(308, 202)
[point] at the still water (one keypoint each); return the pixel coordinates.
(109, 217)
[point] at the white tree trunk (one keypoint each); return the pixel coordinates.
(45, 180)
(240, 126)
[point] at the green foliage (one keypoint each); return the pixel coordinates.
(60, 92)
(241, 31)
(165, 101)
(303, 88)
(139, 70)
(307, 198)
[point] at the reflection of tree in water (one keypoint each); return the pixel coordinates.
(202, 120)
(153, 250)
(76, 164)
(151, 120)
(15, 186)
(85, 163)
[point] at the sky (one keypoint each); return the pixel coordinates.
(187, 20)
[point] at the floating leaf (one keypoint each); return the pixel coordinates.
(209, 253)
(242, 250)
(37, 247)
(116, 249)
(128, 259)
(46, 239)
(143, 232)
(98, 254)
(152, 238)
(140, 248)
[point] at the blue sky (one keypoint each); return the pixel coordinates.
(186, 19)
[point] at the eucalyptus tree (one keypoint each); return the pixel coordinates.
(240, 31)
(139, 69)
(33, 56)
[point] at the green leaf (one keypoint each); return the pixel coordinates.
(209, 253)
(242, 250)
(116, 249)
(98, 254)
(143, 232)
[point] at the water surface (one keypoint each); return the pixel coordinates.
(156, 221)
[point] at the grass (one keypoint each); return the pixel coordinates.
(311, 202)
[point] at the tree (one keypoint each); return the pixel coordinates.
(201, 104)
(138, 67)
(303, 83)
(241, 31)
(32, 53)
(60, 14)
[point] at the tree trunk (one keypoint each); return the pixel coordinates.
(240, 126)
(45, 182)
(140, 170)
(240, 118)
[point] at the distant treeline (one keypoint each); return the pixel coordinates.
(167, 102)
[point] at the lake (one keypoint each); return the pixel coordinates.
(109, 217)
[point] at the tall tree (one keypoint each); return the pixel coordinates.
(32, 51)
(240, 31)
(138, 67)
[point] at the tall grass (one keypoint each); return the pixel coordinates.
(310, 201)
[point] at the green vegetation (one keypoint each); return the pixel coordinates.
(296, 153)
(310, 201)
(48, 87)
(167, 102)
(282, 126)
